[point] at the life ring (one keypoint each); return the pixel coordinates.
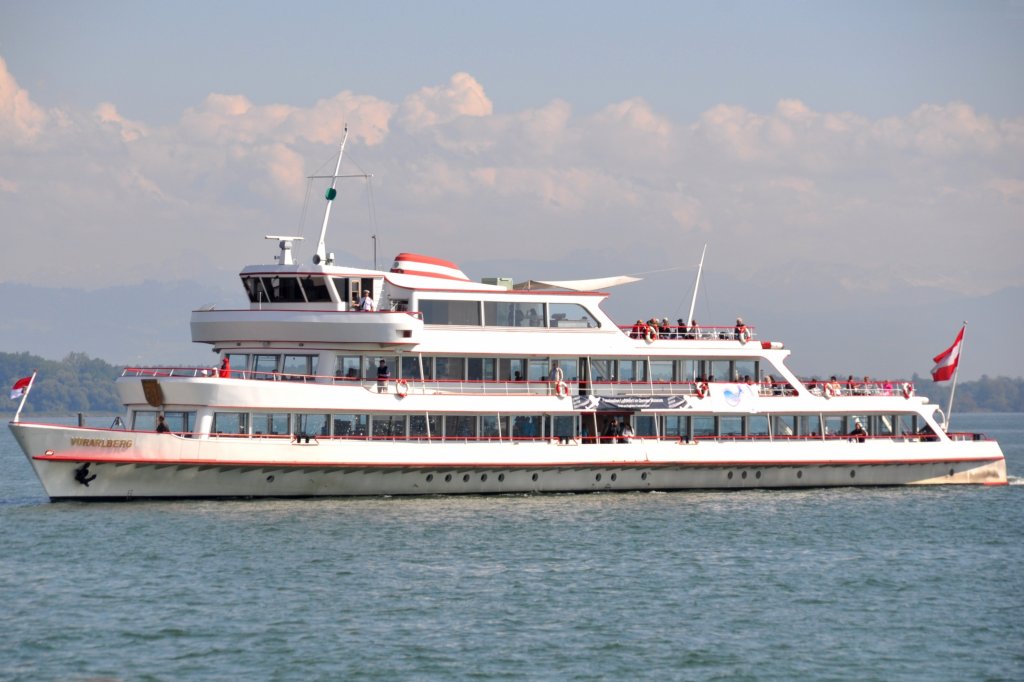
(829, 391)
(702, 389)
(561, 389)
(402, 388)
(908, 390)
(744, 335)
(650, 335)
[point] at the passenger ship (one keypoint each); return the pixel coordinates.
(443, 385)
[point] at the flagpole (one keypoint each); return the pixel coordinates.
(956, 371)
(696, 285)
(24, 396)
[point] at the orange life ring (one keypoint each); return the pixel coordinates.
(402, 388)
(702, 389)
(908, 390)
(744, 335)
(561, 389)
(650, 335)
(830, 390)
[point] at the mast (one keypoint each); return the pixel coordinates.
(321, 249)
(696, 285)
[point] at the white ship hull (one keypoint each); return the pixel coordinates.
(167, 466)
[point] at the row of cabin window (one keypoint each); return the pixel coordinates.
(686, 427)
(265, 366)
(498, 314)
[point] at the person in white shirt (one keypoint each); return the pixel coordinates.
(366, 303)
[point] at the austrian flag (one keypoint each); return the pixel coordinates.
(20, 386)
(947, 360)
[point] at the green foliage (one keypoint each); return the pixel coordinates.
(77, 383)
(987, 394)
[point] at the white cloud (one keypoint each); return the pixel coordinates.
(21, 120)
(874, 203)
(434, 105)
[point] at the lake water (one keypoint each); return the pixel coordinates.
(843, 584)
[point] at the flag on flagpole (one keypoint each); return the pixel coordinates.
(19, 387)
(947, 360)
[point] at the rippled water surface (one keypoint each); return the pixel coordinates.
(858, 583)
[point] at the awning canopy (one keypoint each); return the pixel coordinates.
(578, 284)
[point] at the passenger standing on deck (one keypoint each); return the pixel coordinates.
(625, 432)
(366, 303)
(740, 330)
(161, 425)
(383, 374)
(225, 368)
(611, 432)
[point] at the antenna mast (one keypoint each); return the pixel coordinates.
(696, 285)
(321, 249)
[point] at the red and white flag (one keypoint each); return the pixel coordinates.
(947, 360)
(20, 386)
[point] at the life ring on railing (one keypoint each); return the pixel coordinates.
(561, 389)
(744, 335)
(702, 389)
(908, 390)
(829, 391)
(650, 334)
(402, 388)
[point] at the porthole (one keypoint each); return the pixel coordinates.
(757, 475)
(534, 477)
(465, 478)
(743, 475)
(643, 476)
(615, 477)
(447, 478)
(951, 472)
(729, 476)
(270, 479)
(483, 477)
(430, 477)
(799, 474)
(597, 478)
(501, 477)
(853, 473)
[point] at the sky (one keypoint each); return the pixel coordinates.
(845, 162)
